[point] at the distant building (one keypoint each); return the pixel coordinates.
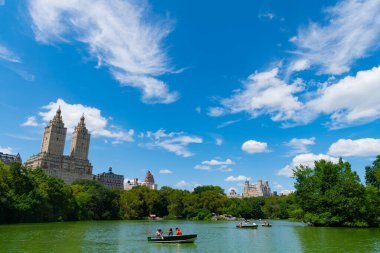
(148, 182)
(111, 179)
(256, 190)
(234, 194)
(51, 160)
(9, 159)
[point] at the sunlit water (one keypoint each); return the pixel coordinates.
(130, 236)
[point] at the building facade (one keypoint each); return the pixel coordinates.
(111, 179)
(256, 190)
(148, 182)
(51, 159)
(9, 159)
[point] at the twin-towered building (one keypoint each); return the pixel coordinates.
(51, 159)
(75, 166)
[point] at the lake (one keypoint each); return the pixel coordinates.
(220, 236)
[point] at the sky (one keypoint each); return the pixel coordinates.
(197, 92)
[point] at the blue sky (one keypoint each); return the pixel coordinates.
(197, 92)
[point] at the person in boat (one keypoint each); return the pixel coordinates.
(170, 232)
(159, 232)
(178, 231)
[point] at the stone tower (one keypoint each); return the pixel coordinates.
(53, 141)
(80, 141)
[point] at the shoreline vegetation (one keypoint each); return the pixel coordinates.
(328, 195)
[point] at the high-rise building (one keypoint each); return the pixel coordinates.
(256, 190)
(111, 179)
(148, 182)
(51, 159)
(9, 159)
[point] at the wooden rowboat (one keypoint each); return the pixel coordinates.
(174, 239)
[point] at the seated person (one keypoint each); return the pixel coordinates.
(170, 232)
(178, 231)
(159, 233)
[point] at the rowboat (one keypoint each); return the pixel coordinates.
(266, 224)
(174, 239)
(247, 225)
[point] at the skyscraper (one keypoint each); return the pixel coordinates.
(51, 159)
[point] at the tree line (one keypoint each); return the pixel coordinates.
(327, 195)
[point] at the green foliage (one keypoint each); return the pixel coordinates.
(332, 195)
(372, 174)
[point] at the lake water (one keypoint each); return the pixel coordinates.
(130, 236)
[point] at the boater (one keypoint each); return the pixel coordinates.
(178, 231)
(158, 233)
(170, 232)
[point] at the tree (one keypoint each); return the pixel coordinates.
(330, 194)
(372, 173)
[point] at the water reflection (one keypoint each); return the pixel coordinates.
(124, 236)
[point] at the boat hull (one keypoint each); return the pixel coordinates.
(174, 239)
(246, 226)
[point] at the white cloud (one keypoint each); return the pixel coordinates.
(183, 184)
(6, 150)
(214, 162)
(267, 15)
(264, 93)
(299, 65)
(7, 55)
(359, 147)
(31, 121)
(95, 122)
(227, 123)
(202, 167)
(225, 168)
(215, 111)
(218, 141)
(352, 32)
(350, 101)
(237, 178)
(198, 109)
(166, 171)
(122, 35)
(299, 146)
(253, 147)
(174, 142)
(306, 160)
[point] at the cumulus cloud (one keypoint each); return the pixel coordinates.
(237, 178)
(122, 35)
(216, 165)
(218, 141)
(218, 162)
(359, 147)
(299, 146)
(352, 32)
(8, 55)
(166, 171)
(351, 100)
(202, 167)
(306, 160)
(264, 93)
(31, 121)
(97, 124)
(252, 147)
(6, 150)
(215, 111)
(174, 142)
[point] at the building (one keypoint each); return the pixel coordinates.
(51, 159)
(9, 159)
(234, 194)
(148, 182)
(111, 179)
(256, 190)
